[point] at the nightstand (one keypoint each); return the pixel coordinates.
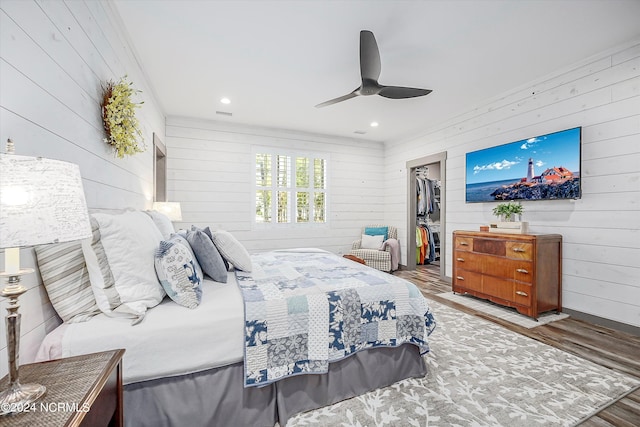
(81, 391)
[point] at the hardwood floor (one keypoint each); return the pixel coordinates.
(606, 347)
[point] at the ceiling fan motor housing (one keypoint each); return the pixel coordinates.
(369, 87)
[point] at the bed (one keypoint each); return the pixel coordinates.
(191, 367)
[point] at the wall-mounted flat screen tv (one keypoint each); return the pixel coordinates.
(540, 168)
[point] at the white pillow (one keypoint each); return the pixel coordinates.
(120, 260)
(371, 242)
(163, 223)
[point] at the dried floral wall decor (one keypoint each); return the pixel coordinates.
(119, 118)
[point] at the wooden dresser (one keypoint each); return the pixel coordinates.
(523, 271)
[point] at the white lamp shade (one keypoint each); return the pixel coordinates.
(170, 209)
(41, 201)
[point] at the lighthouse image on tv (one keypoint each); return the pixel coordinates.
(499, 173)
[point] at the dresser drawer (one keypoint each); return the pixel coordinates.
(522, 271)
(468, 280)
(519, 250)
(510, 269)
(497, 287)
(468, 261)
(523, 294)
(489, 246)
(464, 243)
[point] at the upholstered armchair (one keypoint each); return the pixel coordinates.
(374, 255)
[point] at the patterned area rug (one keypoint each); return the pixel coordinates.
(481, 374)
(506, 313)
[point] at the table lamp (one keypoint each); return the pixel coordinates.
(41, 201)
(170, 209)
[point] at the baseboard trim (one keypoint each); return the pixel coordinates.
(596, 320)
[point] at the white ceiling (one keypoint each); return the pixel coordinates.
(275, 60)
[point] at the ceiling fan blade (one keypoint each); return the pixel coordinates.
(336, 100)
(369, 56)
(399, 92)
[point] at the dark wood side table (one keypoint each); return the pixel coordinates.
(81, 391)
(354, 258)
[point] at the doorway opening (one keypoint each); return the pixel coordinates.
(426, 212)
(159, 170)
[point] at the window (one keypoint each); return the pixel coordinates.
(290, 188)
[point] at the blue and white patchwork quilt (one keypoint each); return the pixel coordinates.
(305, 309)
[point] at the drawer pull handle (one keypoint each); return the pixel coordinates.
(460, 259)
(522, 270)
(464, 244)
(459, 277)
(518, 250)
(524, 294)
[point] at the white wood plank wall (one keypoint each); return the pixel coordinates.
(211, 171)
(601, 231)
(54, 57)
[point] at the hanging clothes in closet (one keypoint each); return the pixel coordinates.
(423, 196)
(425, 244)
(427, 202)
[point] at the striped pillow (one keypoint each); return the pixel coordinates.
(232, 250)
(66, 280)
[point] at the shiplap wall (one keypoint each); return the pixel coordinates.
(210, 169)
(601, 231)
(54, 57)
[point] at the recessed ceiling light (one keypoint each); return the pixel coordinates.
(225, 100)
(374, 124)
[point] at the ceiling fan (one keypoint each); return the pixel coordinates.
(370, 71)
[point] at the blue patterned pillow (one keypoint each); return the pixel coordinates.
(377, 231)
(177, 272)
(182, 239)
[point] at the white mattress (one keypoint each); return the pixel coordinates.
(171, 340)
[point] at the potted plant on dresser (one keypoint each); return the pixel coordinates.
(507, 213)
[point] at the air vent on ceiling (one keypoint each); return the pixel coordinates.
(224, 113)
(360, 132)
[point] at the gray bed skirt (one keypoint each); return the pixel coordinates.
(216, 397)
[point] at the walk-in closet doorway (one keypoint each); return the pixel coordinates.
(435, 165)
